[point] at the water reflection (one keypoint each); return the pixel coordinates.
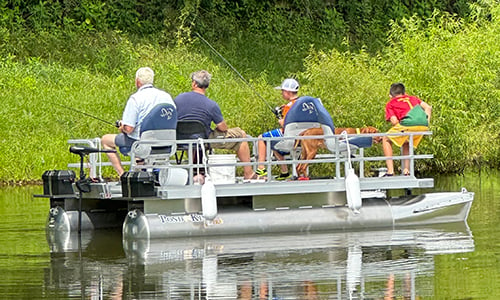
(333, 265)
(90, 265)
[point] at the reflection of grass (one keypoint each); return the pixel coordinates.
(24, 220)
(24, 253)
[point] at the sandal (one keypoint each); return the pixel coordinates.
(406, 172)
(283, 176)
(388, 175)
(261, 172)
(255, 177)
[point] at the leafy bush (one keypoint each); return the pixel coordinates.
(451, 65)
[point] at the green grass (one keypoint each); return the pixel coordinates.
(452, 65)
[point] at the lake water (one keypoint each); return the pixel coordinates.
(453, 261)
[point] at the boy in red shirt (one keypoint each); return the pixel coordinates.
(406, 113)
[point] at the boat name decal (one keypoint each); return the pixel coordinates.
(195, 218)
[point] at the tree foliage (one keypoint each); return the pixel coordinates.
(250, 32)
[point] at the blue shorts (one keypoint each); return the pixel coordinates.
(124, 143)
(274, 133)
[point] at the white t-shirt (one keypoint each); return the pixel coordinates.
(140, 104)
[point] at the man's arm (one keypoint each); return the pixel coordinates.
(222, 126)
(125, 128)
(130, 115)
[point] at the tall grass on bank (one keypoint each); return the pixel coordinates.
(36, 126)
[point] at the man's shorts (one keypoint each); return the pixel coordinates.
(235, 132)
(274, 133)
(124, 143)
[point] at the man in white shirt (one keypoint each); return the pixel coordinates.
(138, 106)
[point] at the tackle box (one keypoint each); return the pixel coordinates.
(138, 184)
(58, 182)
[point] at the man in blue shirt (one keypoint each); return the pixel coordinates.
(195, 105)
(138, 106)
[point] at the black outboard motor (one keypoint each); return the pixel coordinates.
(83, 184)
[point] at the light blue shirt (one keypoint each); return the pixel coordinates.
(140, 104)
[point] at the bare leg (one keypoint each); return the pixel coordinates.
(387, 148)
(246, 290)
(244, 156)
(263, 290)
(284, 168)
(406, 162)
(108, 142)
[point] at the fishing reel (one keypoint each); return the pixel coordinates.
(278, 111)
(117, 123)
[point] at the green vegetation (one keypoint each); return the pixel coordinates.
(85, 58)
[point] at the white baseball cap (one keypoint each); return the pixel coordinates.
(289, 84)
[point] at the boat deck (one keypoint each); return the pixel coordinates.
(295, 187)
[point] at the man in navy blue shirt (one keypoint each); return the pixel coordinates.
(195, 105)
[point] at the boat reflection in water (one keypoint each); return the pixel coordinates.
(356, 265)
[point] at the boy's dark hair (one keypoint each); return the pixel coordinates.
(397, 89)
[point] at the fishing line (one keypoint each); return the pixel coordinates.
(84, 113)
(239, 74)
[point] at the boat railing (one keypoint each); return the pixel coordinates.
(193, 165)
(94, 162)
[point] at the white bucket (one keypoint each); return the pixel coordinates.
(173, 176)
(223, 174)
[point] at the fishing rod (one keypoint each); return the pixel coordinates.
(88, 115)
(275, 111)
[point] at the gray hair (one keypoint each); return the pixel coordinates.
(202, 78)
(145, 75)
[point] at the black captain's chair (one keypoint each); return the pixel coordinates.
(190, 130)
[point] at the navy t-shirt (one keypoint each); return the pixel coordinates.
(195, 106)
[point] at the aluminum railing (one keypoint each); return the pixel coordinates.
(95, 162)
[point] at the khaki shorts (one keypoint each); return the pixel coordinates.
(235, 132)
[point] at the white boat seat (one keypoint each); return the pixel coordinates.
(157, 136)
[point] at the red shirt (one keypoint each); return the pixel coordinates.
(400, 105)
